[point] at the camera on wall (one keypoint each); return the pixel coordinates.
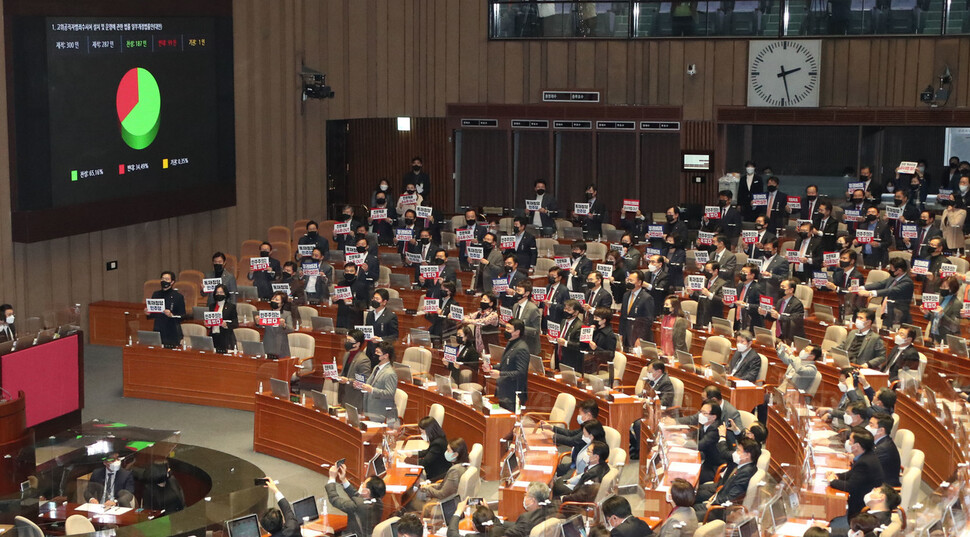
(938, 96)
(315, 85)
(691, 69)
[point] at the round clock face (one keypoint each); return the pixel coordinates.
(783, 73)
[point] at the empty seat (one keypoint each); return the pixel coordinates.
(279, 234)
(190, 292)
(246, 334)
(194, 276)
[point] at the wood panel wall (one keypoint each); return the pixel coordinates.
(412, 57)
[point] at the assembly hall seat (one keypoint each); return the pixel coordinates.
(150, 286)
(716, 349)
(246, 334)
(191, 275)
(249, 248)
(475, 455)
(190, 292)
(834, 336)
(278, 234)
(714, 528)
(282, 251)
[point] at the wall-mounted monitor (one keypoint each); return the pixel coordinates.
(697, 161)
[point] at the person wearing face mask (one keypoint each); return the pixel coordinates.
(383, 320)
(745, 363)
(744, 310)
(447, 274)
(382, 227)
(356, 364)
(545, 218)
(485, 522)
(513, 277)
(810, 203)
(897, 291)
(875, 253)
(809, 248)
(620, 520)
(223, 338)
(676, 257)
(346, 216)
(961, 195)
(525, 244)
(863, 344)
(512, 372)
(776, 211)
(682, 520)
(733, 486)
(864, 475)
(726, 261)
(926, 231)
(491, 265)
(604, 340)
(788, 313)
(935, 255)
(728, 222)
(456, 455)
(275, 342)
(917, 183)
(264, 279)
(578, 439)
(851, 393)
(630, 255)
(313, 236)
(903, 357)
(381, 386)
(756, 249)
(433, 458)
(418, 177)
(672, 226)
(843, 278)
(426, 248)
(228, 279)
(826, 226)
(297, 287)
(583, 487)
(441, 327)
(120, 482)
(350, 310)
(951, 174)
(709, 298)
(951, 224)
(636, 313)
(486, 322)
(945, 319)
(708, 420)
(882, 501)
(538, 506)
(316, 275)
(910, 215)
(750, 184)
(881, 425)
(615, 279)
(167, 323)
(801, 368)
(409, 199)
(580, 268)
(465, 367)
(592, 223)
(774, 271)
(872, 188)
(370, 269)
(729, 434)
(383, 187)
(162, 492)
(673, 327)
(478, 233)
(856, 202)
(567, 346)
(408, 224)
(364, 506)
(556, 296)
(525, 309)
(657, 278)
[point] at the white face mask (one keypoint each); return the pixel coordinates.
(114, 466)
(868, 498)
(843, 388)
(701, 419)
(860, 324)
(579, 419)
(749, 170)
(899, 340)
(10, 319)
(742, 347)
(964, 188)
(653, 268)
(848, 446)
(871, 429)
(587, 439)
(450, 456)
(736, 457)
(383, 188)
(803, 355)
(525, 503)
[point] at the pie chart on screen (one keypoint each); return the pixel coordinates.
(139, 104)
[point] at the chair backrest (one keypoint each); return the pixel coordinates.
(916, 459)
(834, 336)
(638, 387)
(150, 286)
(690, 307)
(546, 247)
(78, 524)
(246, 334)
(751, 496)
(607, 485)
(806, 294)
(26, 528)
(192, 329)
(191, 275)
(505, 224)
(688, 338)
(546, 528)
(612, 437)
(876, 276)
(618, 458)
(563, 409)
(902, 254)
(383, 529)
(714, 528)
(910, 487)
(904, 442)
(307, 313)
(189, 291)
(922, 365)
(282, 251)
(962, 264)
(438, 413)
(747, 419)
(678, 391)
(716, 349)
(763, 370)
(813, 388)
(418, 358)
(764, 460)
(475, 455)
(895, 426)
(384, 278)
(249, 248)
(278, 234)
(401, 402)
(596, 251)
(619, 365)
(543, 264)
(469, 483)
(301, 345)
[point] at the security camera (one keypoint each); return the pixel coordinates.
(315, 84)
(691, 69)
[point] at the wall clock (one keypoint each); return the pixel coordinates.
(783, 73)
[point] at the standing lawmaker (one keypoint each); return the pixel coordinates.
(168, 322)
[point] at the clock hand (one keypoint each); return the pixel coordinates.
(784, 73)
(784, 78)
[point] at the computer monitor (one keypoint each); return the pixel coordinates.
(253, 348)
(824, 313)
(201, 343)
(800, 343)
(717, 369)
(511, 463)
(596, 383)
(764, 336)
(722, 327)
(420, 337)
(444, 385)
(306, 509)
(377, 465)
(778, 514)
(244, 526)
(957, 345)
(149, 337)
(574, 527)
(320, 401)
(322, 324)
(564, 368)
(198, 312)
(748, 527)
(353, 418)
(280, 388)
(478, 402)
(536, 366)
(840, 358)
(684, 358)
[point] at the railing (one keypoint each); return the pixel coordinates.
(529, 19)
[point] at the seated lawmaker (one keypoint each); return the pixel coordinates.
(583, 487)
(120, 482)
(882, 501)
(881, 425)
(619, 516)
(863, 475)
(457, 455)
(483, 519)
(282, 521)
(863, 344)
(851, 392)
(590, 429)
(297, 286)
(728, 435)
(468, 358)
(223, 338)
(167, 323)
(538, 506)
(746, 362)
(228, 279)
(433, 458)
(364, 506)
(162, 492)
(708, 420)
(264, 279)
(659, 382)
(356, 365)
(733, 486)
(682, 520)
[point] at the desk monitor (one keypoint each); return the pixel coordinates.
(403, 373)
(764, 336)
(306, 508)
(511, 463)
(957, 345)
(478, 402)
(570, 377)
(420, 337)
(536, 366)
(913, 329)
(684, 358)
(280, 388)
(717, 369)
(748, 527)
(649, 351)
(566, 368)
(574, 527)
(149, 337)
(253, 348)
(596, 383)
(800, 343)
(320, 401)
(824, 313)
(722, 327)
(444, 386)
(377, 465)
(198, 312)
(201, 343)
(322, 324)
(778, 514)
(24, 342)
(245, 526)
(840, 358)
(353, 418)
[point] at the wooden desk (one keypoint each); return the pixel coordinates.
(655, 498)
(463, 421)
(302, 435)
(208, 379)
(63, 510)
(539, 465)
(15, 462)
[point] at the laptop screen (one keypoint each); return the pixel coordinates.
(319, 400)
(306, 509)
(574, 527)
(513, 463)
(352, 417)
(377, 465)
(778, 514)
(748, 528)
(280, 388)
(245, 526)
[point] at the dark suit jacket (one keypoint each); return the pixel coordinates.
(660, 282)
(529, 519)
(578, 280)
(433, 459)
(588, 485)
(728, 225)
(901, 295)
(479, 232)
(320, 242)
(745, 195)
(864, 475)
(896, 360)
(756, 249)
(735, 484)
(779, 216)
(664, 390)
(362, 515)
(603, 299)
(851, 303)
(358, 364)
(779, 269)
(830, 232)
(551, 206)
(385, 327)
(291, 526)
(710, 455)
(605, 341)
(708, 307)
(593, 223)
(468, 358)
(813, 253)
(636, 322)
(170, 328)
(441, 325)
(526, 251)
(809, 209)
(745, 366)
(881, 241)
(224, 339)
(888, 455)
(749, 315)
(124, 480)
(555, 302)
(514, 375)
(632, 527)
(13, 330)
(792, 324)
(264, 279)
(570, 353)
(918, 245)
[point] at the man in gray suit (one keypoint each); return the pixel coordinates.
(801, 367)
(356, 364)
(746, 363)
(728, 412)
(381, 386)
(523, 308)
(725, 258)
(489, 267)
(219, 271)
(863, 344)
(512, 373)
(774, 269)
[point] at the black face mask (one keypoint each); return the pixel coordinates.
(803, 234)
(577, 255)
(220, 298)
(591, 284)
(410, 191)
(361, 249)
(486, 248)
(811, 198)
(275, 305)
(416, 168)
(870, 218)
(845, 264)
(166, 285)
(540, 191)
(312, 235)
(944, 292)
(439, 261)
(349, 345)
(469, 223)
(759, 227)
(517, 230)
(287, 276)
(408, 221)
(857, 201)
(722, 203)
(508, 334)
(217, 268)
(625, 244)
(771, 188)
(670, 219)
(375, 304)
(484, 306)
(629, 286)
(424, 240)
(516, 297)
(666, 310)
(348, 217)
(381, 201)
(264, 253)
(349, 277)
(898, 202)
(589, 196)
(508, 268)
(924, 222)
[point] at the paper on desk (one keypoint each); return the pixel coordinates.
(824, 450)
(373, 424)
(684, 467)
(310, 533)
(679, 449)
(90, 507)
(793, 529)
(406, 466)
(621, 396)
(117, 510)
(396, 489)
(675, 426)
(547, 449)
(741, 383)
(821, 434)
(537, 467)
(520, 485)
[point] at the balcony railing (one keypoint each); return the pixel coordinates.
(528, 19)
